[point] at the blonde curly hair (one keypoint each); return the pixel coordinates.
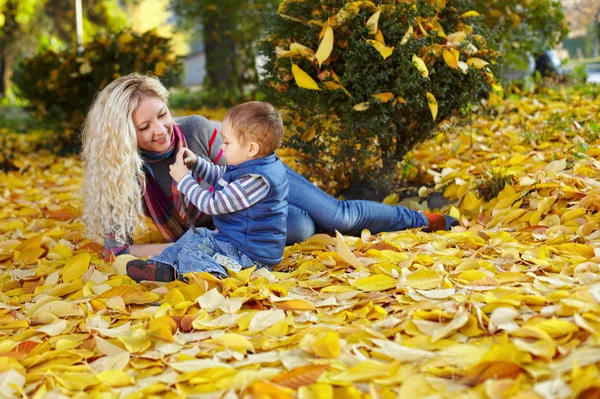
(113, 182)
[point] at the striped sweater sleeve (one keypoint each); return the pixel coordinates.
(208, 171)
(238, 195)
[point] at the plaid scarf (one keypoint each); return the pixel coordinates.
(169, 216)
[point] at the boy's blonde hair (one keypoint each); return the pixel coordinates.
(256, 121)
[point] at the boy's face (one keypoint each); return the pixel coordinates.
(234, 152)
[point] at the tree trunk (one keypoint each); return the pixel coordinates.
(7, 73)
(596, 34)
(2, 91)
(222, 68)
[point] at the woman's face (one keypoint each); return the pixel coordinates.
(153, 124)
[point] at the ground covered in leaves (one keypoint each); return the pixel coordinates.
(505, 306)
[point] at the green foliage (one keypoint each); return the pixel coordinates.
(62, 85)
(327, 126)
(524, 27)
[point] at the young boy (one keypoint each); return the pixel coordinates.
(248, 204)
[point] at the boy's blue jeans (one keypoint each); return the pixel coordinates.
(187, 255)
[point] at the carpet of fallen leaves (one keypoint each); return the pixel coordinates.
(505, 306)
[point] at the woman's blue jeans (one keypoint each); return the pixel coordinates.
(311, 210)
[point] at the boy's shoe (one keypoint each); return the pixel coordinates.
(437, 221)
(140, 270)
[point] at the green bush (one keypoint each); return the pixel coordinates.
(368, 108)
(61, 85)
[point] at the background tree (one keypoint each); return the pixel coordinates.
(524, 27)
(585, 14)
(230, 29)
(27, 24)
(20, 22)
(364, 82)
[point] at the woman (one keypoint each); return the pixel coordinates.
(129, 141)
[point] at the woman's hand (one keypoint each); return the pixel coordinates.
(178, 169)
(188, 157)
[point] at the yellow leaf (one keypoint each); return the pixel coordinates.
(420, 65)
(296, 304)
(85, 68)
(391, 199)
(477, 63)
(34, 242)
(367, 370)
(76, 267)
(334, 86)
(115, 378)
(159, 68)
(30, 256)
(261, 389)
(300, 376)
(303, 79)
(235, 342)
(407, 35)
(450, 60)
(295, 49)
(135, 343)
(557, 327)
(471, 13)
(433, 105)
(344, 252)
(483, 371)
(372, 23)
(379, 36)
(456, 38)
(382, 48)
(76, 382)
(131, 295)
(424, 279)
(326, 46)
(327, 346)
(361, 106)
(377, 282)
(384, 97)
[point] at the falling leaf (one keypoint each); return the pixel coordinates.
(432, 103)
(361, 106)
(420, 65)
(384, 50)
(384, 97)
(477, 63)
(407, 35)
(471, 13)
(379, 36)
(450, 59)
(325, 48)
(303, 79)
(372, 23)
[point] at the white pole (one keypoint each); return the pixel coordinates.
(79, 20)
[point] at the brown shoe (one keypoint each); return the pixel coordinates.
(140, 270)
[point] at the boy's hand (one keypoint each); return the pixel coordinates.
(187, 156)
(178, 169)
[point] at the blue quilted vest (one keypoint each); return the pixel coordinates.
(258, 231)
